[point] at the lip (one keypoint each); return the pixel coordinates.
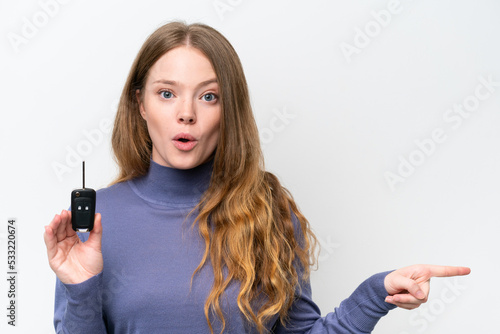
(184, 146)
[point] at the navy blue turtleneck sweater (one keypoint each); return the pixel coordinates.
(150, 253)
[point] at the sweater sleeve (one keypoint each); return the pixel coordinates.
(78, 307)
(357, 314)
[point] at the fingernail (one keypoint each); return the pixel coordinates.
(420, 294)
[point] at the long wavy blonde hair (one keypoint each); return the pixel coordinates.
(245, 216)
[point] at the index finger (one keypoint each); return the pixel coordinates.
(448, 271)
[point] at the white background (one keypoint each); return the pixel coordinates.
(352, 119)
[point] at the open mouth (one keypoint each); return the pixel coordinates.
(185, 141)
(184, 137)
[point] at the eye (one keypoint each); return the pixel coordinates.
(209, 97)
(166, 94)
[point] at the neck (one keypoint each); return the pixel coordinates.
(173, 187)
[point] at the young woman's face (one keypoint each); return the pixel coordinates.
(180, 103)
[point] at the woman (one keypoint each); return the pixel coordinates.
(196, 236)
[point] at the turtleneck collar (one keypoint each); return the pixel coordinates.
(173, 187)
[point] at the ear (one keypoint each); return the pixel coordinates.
(139, 102)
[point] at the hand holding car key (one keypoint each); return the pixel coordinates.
(72, 260)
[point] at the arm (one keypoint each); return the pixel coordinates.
(406, 288)
(78, 266)
(357, 314)
(78, 307)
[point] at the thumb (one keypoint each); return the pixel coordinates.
(50, 242)
(95, 236)
(398, 283)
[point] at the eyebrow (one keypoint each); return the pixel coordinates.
(175, 83)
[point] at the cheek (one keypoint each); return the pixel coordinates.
(215, 126)
(157, 124)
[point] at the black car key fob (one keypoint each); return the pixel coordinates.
(83, 207)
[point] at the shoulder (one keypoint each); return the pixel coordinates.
(112, 191)
(115, 195)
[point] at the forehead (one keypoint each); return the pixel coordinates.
(183, 64)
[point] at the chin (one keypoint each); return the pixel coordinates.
(180, 160)
(185, 163)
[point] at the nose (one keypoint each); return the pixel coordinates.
(187, 114)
